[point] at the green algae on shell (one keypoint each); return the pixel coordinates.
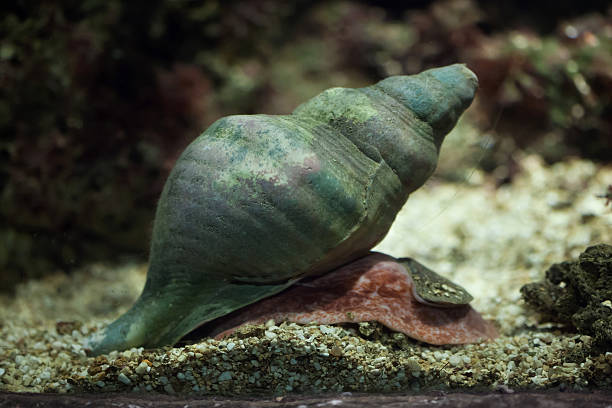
(258, 202)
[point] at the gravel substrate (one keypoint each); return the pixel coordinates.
(491, 241)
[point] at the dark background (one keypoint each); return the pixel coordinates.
(98, 97)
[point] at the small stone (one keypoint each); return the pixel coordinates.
(336, 351)
(27, 380)
(124, 379)
(45, 375)
(225, 376)
(142, 368)
(455, 360)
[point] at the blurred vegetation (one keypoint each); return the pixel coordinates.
(98, 98)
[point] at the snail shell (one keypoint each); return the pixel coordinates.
(258, 202)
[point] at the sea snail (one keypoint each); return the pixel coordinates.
(258, 202)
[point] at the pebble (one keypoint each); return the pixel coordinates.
(142, 368)
(124, 379)
(225, 376)
(455, 360)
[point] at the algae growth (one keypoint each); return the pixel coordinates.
(578, 293)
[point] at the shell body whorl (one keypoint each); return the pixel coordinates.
(270, 197)
(259, 201)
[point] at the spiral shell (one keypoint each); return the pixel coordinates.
(258, 202)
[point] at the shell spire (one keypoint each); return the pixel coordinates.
(402, 119)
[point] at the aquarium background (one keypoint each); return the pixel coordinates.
(98, 98)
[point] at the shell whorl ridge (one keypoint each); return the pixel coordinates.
(259, 201)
